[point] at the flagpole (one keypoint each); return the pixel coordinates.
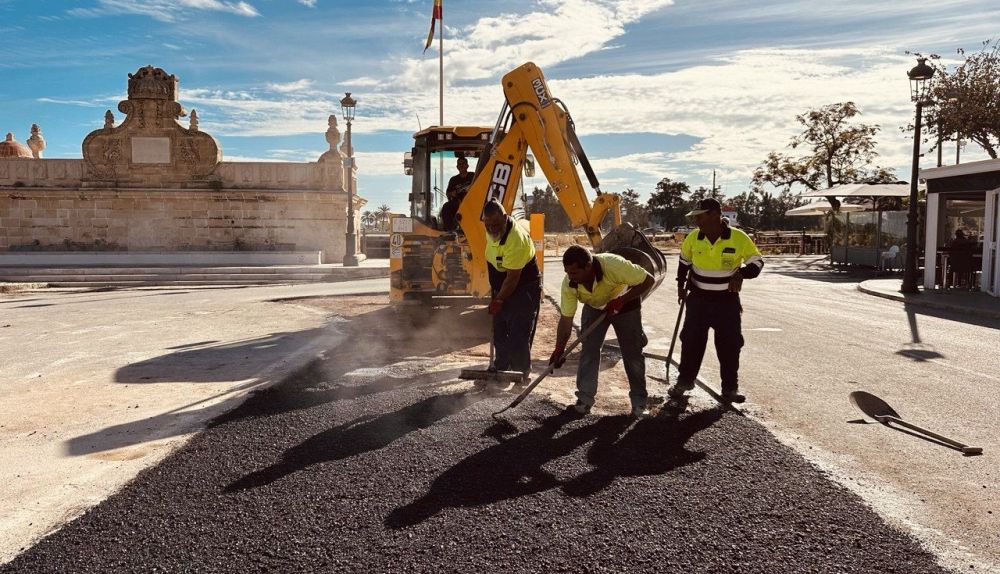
(441, 69)
(441, 91)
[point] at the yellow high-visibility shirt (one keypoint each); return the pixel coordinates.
(615, 275)
(513, 250)
(712, 265)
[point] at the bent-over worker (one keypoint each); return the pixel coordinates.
(516, 287)
(604, 283)
(718, 258)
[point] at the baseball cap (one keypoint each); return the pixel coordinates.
(704, 206)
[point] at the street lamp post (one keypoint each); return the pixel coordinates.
(350, 254)
(920, 77)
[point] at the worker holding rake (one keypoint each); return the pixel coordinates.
(516, 286)
(611, 289)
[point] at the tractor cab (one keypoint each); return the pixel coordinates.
(432, 163)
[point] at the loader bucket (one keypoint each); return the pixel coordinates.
(630, 243)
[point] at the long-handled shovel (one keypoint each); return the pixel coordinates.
(876, 408)
(673, 340)
(552, 366)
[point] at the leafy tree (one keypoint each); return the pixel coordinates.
(666, 203)
(368, 219)
(747, 207)
(382, 212)
(702, 192)
(836, 151)
(633, 211)
(544, 201)
(967, 99)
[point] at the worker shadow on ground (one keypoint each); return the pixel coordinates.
(218, 362)
(369, 362)
(361, 435)
(369, 337)
(515, 466)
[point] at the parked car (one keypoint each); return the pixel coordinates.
(653, 230)
(683, 229)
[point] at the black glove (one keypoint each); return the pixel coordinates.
(557, 359)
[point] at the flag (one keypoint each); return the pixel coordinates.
(435, 16)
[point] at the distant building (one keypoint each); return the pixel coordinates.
(152, 184)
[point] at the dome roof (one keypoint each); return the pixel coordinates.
(12, 148)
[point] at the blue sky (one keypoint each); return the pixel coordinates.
(657, 88)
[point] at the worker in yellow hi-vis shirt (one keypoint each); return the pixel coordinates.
(714, 262)
(516, 286)
(604, 283)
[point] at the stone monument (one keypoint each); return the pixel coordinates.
(150, 147)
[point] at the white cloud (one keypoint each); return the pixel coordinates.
(309, 3)
(379, 163)
(296, 86)
(81, 103)
(165, 10)
(740, 106)
(559, 30)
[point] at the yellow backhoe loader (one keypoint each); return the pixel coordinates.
(428, 261)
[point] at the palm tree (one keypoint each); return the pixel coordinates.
(383, 215)
(368, 219)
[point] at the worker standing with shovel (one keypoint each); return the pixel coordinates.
(516, 286)
(718, 259)
(611, 289)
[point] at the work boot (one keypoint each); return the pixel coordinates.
(523, 383)
(733, 396)
(640, 412)
(677, 391)
(581, 409)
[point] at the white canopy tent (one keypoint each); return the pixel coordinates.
(863, 190)
(822, 207)
(861, 254)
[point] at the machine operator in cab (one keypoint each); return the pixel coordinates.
(714, 261)
(458, 185)
(516, 286)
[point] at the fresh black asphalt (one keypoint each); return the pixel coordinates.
(334, 473)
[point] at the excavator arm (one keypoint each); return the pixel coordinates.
(531, 119)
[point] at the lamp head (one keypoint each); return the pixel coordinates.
(348, 104)
(920, 76)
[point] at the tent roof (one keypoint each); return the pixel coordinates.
(822, 207)
(863, 190)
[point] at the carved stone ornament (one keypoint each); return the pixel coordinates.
(36, 142)
(333, 162)
(151, 83)
(150, 148)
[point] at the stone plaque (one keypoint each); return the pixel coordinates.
(150, 150)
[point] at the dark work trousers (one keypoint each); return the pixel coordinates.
(721, 313)
(514, 328)
(631, 340)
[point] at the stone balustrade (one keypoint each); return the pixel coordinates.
(16, 173)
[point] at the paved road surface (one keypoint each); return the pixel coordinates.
(812, 338)
(350, 468)
(98, 385)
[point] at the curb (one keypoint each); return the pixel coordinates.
(929, 304)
